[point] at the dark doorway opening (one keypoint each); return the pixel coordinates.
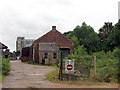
(65, 51)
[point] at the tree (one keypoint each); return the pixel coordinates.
(75, 40)
(66, 33)
(80, 51)
(87, 37)
(103, 34)
(105, 30)
(113, 39)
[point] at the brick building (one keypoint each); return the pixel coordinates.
(25, 54)
(50, 52)
(63, 44)
(22, 43)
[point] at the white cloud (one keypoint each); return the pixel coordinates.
(33, 18)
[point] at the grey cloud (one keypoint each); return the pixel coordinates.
(33, 18)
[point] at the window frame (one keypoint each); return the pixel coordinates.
(54, 55)
(45, 55)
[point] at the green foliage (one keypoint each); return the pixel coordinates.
(80, 51)
(112, 39)
(116, 52)
(105, 45)
(107, 66)
(43, 61)
(53, 76)
(107, 69)
(86, 36)
(2, 77)
(104, 31)
(5, 66)
(66, 34)
(75, 40)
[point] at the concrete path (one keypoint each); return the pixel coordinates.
(33, 76)
(27, 76)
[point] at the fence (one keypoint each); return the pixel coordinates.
(82, 68)
(102, 68)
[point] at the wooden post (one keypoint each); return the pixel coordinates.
(94, 65)
(61, 66)
(60, 70)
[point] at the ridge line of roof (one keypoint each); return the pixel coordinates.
(51, 31)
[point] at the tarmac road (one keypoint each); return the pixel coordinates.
(33, 76)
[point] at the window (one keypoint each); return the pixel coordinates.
(54, 56)
(45, 55)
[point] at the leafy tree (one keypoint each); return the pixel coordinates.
(103, 34)
(105, 30)
(69, 35)
(80, 51)
(113, 39)
(87, 37)
(75, 40)
(66, 33)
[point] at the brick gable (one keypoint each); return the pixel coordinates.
(57, 37)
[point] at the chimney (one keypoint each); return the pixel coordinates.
(53, 27)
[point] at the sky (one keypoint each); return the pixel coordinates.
(33, 18)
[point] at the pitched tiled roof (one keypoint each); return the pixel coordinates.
(48, 47)
(57, 37)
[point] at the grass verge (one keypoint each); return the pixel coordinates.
(53, 65)
(53, 76)
(2, 77)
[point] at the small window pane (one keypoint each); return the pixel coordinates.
(45, 55)
(54, 56)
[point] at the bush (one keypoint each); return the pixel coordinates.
(80, 51)
(107, 70)
(43, 61)
(106, 66)
(5, 66)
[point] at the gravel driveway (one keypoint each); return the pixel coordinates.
(33, 76)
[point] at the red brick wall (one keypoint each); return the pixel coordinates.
(31, 54)
(53, 36)
(50, 57)
(57, 37)
(25, 58)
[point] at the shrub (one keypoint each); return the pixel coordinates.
(107, 70)
(80, 51)
(5, 66)
(43, 61)
(106, 66)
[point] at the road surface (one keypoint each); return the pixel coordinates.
(33, 76)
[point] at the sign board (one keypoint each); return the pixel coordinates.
(69, 66)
